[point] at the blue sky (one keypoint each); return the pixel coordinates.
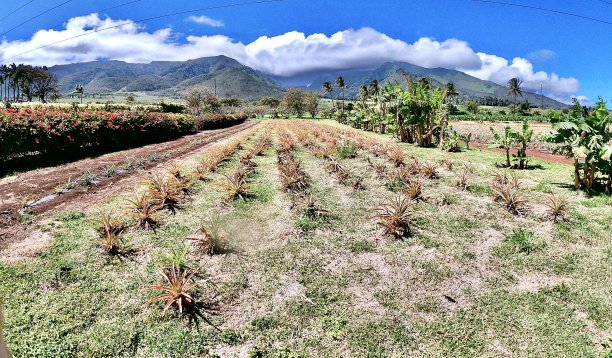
(567, 46)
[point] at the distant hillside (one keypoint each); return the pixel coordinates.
(231, 78)
(467, 86)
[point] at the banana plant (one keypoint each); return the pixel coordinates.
(586, 137)
(503, 141)
(523, 138)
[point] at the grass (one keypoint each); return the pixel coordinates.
(297, 285)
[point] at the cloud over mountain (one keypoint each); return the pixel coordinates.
(290, 54)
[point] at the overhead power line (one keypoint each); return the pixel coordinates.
(35, 17)
(143, 20)
(545, 9)
(17, 9)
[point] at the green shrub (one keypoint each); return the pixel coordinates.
(172, 107)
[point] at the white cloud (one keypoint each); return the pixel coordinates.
(542, 55)
(205, 20)
(500, 70)
(289, 54)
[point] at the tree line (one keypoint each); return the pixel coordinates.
(22, 82)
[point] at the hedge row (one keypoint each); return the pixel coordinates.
(42, 131)
(219, 120)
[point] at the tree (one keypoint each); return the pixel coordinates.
(472, 107)
(514, 88)
(271, 102)
(45, 85)
(79, 91)
(373, 88)
(231, 102)
(294, 101)
(312, 104)
(341, 85)
(328, 88)
(363, 93)
(201, 100)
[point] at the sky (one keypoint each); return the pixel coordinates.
(568, 55)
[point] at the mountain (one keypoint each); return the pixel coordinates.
(232, 79)
(467, 86)
(169, 78)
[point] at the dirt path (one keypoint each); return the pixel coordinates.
(41, 183)
(554, 158)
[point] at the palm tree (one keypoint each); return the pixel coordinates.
(341, 85)
(328, 88)
(514, 88)
(450, 90)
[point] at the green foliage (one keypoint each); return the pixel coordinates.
(451, 142)
(347, 151)
(503, 141)
(417, 110)
(522, 138)
(201, 100)
(295, 102)
(472, 107)
(522, 241)
(263, 323)
(172, 107)
(361, 246)
(207, 121)
(587, 137)
(452, 109)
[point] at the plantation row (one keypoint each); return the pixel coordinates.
(405, 178)
(39, 131)
(189, 244)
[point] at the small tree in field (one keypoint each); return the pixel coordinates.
(271, 102)
(472, 107)
(294, 102)
(312, 104)
(201, 100)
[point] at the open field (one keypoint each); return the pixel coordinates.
(308, 270)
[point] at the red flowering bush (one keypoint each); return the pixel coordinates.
(42, 130)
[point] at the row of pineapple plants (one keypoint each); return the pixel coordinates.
(169, 192)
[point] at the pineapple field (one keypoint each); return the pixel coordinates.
(295, 238)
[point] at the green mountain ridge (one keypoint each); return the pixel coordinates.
(229, 78)
(467, 86)
(167, 78)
